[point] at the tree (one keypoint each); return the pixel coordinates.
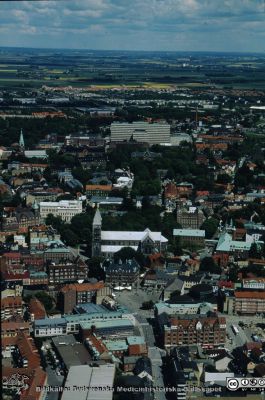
(233, 273)
(176, 247)
(95, 270)
(56, 222)
(81, 226)
(81, 174)
(210, 226)
(69, 237)
(45, 299)
(254, 251)
(223, 178)
(128, 204)
(128, 253)
(208, 265)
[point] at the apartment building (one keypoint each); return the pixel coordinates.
(140, 131)
(205, 331)
(11, 329)
(118, 273)
(98, 190)
(253, 283)
(249, 302)
(190, 236)
(50, 327)
(66, 209)
(73, 294)
(191, 217)
(66, 271)
(11, 306)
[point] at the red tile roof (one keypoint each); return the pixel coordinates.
(97, 344)
(83, 287)
(11, 302)
(28, 350)
(250, 295)
(106, 188)
(34, 377)
(37, 308)
(137, 349)
(9, 276)
(192, 322)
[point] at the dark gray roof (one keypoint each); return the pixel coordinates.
(143, 364)
(128, 266)
(71, 352)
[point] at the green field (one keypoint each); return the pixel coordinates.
(35, 68)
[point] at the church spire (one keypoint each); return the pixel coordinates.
(21, 139)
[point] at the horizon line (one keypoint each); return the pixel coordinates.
(133, 51)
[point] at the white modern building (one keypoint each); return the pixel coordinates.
(66, 209)
(36, 154)
(140, 131)
(94, 382)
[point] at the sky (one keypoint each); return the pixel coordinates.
(169, 25)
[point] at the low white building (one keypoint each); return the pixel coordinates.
(66, 209)
(36, 154)
(94, 382)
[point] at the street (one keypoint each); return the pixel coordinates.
(133, 302)
(154, 353)
(134, 299)
(238, 340)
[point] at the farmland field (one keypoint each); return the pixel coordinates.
(32, 68)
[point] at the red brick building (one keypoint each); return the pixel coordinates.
(10, 306)
(75, 293)
(207, 331)
(249, 302)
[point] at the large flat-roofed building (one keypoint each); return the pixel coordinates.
(66, 209)
(108, 328)
(249, 302)
(207, 331)
(190, 236)
(140, 131)
(96, 382)
(70, 351)
(50, 327)
(106, 321)
(226, 244)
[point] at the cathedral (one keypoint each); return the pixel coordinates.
(106, 243)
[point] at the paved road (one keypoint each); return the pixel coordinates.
(134, 299)
(154, 354)
(246, 319)
(53, 380)
(238, 340)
